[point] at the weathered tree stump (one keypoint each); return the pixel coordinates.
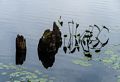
(20, 49)
(48, 45)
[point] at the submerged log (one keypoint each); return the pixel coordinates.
(48, 45)
(20, 49)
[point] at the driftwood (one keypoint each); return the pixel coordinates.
(48, 45)
(20, 49)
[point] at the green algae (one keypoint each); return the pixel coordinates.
(22, 74)
(118, 78)
(43, 79)
(38, 72)
(107, 60)
(81, 62)
(45, 76)
(116, 66)
(50, 81)
(109, 52)
(17, 81)
(4, 73)
(52, 78)
(113, 60)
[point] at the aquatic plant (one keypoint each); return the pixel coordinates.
(82, 62)
(24, 74)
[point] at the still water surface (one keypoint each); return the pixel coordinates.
(31, 17)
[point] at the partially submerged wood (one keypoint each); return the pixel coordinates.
(20, 49)
(48, 45)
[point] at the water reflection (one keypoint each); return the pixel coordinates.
(51, 41)
(49, 44)
(87, 40)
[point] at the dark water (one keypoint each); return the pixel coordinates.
(31, 17)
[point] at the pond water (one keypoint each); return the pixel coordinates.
(31, 17)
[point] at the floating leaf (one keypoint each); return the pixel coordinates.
(82, 63)
(8, 81)
(52, 78)
(107, 60)
(109, 52)
(1, 68)
(4, 73)
(45, 76)
(20, 81)
(50, 81)
(116, 66)
(38, 72)
(118, 80)
(42, 79)
(23, 75)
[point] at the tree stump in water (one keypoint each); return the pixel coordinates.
(20, 49)
(48, 45)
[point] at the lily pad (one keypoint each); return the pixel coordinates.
(52, 78)
(1, 68)
(4, 73)
(107, 60)
(45, 76)
(118, 78)
(50, 81)
(16, 81)
(116, 66)
(38, 72)
(81, 62)
(8, 81)
(42, 79)
(109, 52)
(21, 74)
